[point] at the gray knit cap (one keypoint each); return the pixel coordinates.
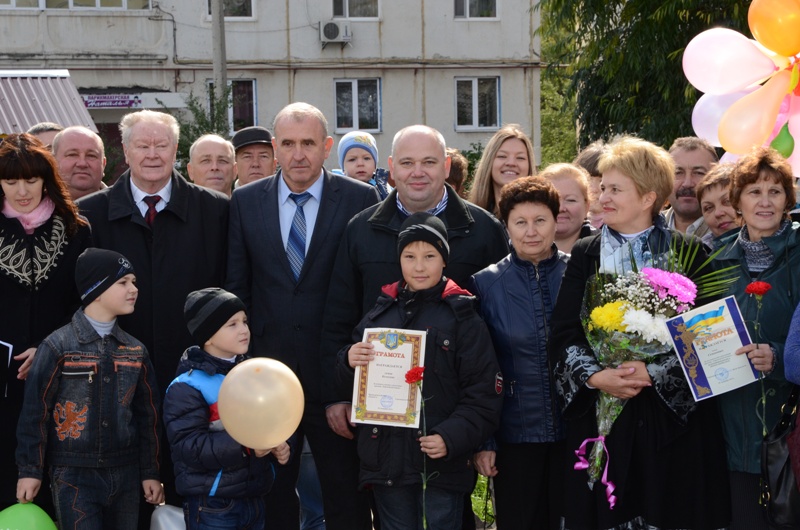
(207, 310)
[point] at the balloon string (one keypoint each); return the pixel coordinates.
(582, 463)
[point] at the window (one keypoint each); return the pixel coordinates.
(358, 104)
(78, 4)
(476, 8)
(235, 8)
(477, 102)
(355, 8)
(242, 112)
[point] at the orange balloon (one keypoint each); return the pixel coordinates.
(750, 120)
(776, 24)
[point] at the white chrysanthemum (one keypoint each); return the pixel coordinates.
(645, 325)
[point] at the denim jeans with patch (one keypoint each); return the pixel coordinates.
(96, 498)
(223, 513)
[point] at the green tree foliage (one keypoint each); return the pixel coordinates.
(559, 136)
(623, 59)
(203, 115)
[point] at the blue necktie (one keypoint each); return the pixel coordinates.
(296, 246)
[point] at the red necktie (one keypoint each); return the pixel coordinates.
(151, 201)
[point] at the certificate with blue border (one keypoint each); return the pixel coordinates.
(705, 340)
(381, 395)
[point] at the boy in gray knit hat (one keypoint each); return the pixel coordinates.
(222, 482)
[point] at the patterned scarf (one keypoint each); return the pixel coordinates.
(647, 249)
(757, 254)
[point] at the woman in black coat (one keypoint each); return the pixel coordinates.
(665, 452)
(41, 236)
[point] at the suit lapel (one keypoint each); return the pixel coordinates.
(271, 223)
(328, 207)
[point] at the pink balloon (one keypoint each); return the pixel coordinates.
(719, 61)
(708, 112)
(729, 158)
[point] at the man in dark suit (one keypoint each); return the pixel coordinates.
(284, 235)
(173, 232)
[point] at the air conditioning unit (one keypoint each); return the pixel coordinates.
(335, 31)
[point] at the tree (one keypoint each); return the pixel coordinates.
(207, 115)
(623, 59)
(559, 136)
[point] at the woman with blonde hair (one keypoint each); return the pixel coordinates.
(508, 156)
(661, 431)
(572, 183)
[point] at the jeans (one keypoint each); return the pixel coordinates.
(309, 492)
(96, 498)
(221, 513)
(400, 508)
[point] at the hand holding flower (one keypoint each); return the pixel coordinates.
(760, 355)
(618, 382)
(639, 371)
(485, 463)
(433, 446)
(360, 354)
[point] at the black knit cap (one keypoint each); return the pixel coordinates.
(251, 135)
(207, 310)
(96, 270)
(423, 226)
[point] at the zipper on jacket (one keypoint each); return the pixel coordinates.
(90, 373)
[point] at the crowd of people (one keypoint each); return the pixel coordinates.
(119, 299)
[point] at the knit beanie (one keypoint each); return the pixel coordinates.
(207, 310)
(360, 139)
(96, 270)
(423, 226)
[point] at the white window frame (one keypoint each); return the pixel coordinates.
(475, 111)
(346, 4)
(467, 16)
(42, 5)
(356, 119)
(209, 86)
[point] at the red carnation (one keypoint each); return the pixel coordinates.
(414, 375)
(758, 288)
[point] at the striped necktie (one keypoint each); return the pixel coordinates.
(296, 246)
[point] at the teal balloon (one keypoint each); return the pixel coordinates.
(25, 517)
(784, 143)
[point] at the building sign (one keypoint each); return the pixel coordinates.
(112, 101)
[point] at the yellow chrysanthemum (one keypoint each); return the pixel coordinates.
(609, 316)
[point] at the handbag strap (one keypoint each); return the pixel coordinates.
(790, 407)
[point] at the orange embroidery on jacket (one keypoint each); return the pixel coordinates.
(69, 422)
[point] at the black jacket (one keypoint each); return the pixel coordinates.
(183, 252)
(368, 260)
(207, 460)
(461, 387)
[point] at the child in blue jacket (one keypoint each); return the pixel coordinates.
(223, 483)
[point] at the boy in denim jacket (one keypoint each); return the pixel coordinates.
(91, 407)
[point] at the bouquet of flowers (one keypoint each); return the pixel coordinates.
(624, 319)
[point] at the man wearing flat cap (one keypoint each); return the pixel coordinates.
(255, 158)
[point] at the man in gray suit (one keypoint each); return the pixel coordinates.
(284, 234)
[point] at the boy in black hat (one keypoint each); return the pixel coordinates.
(461, 389)
(223, 483)
(91, 406)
